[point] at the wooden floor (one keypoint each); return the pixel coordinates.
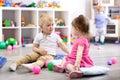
(100, 55)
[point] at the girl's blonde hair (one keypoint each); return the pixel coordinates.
(81, 23)
(45, 18)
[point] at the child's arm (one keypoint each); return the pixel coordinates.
(63, 47)
(38, 50)
(78, 57)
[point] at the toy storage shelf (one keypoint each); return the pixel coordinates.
(11, 24)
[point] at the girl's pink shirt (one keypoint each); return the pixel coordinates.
(86, 61)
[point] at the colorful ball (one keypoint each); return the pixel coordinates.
(11, 41)
(46, 63)
(36, 69)
(117, 42)
(50, 65)
(9, 48)
(114, 60)
(14, 47)
(109, 62)
(2, 45)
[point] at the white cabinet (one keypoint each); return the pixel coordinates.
(30, 27)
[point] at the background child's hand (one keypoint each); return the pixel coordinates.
(43, 51)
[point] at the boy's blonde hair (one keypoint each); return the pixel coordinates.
(100, 8)
(44, 19)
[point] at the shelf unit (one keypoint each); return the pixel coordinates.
(31, 16)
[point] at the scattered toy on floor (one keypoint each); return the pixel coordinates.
(36, 70)
(3, 60)
(113, 60)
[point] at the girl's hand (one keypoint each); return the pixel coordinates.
(76, 66)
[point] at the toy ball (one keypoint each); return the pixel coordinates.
(46, 63)
(117, 42)
(50, 65)
(114, 60)
(2, 45)
(9, 48)
(14, 47)
(11, 41)
(109, 62)
(36, 69)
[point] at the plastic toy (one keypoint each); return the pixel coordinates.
(1, 3)
(32, 5)
(50, 65)
(59, 22)
(49, 4)
(11, 41)
(2, 45)
(23, 5)
(16, 4)
(57, 32)
(36, 69)
(117, 42)
(109, 62)
(64, 38)
(14, 47)
(114, 60)
(56, 4)
(7, 3)
(22, 21)
(7, 23)
(9, 48)
(41, 3)
(3, 60)
(46, 63)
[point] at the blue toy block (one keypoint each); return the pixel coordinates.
(3, 60)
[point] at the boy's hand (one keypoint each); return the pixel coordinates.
(43, 51)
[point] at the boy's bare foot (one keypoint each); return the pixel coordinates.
(13, 67)
(28, 66)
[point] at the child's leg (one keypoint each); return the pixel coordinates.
(28, 58)
(102, 36)
(59, 68)
(40, 62)
(97, 36)
(70, 67)
(73, 73)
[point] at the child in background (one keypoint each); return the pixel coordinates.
(44, 48)
(79, 56)
(101, 21)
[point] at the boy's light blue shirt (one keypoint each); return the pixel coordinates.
(101, 20)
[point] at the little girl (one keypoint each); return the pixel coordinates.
(79, 56)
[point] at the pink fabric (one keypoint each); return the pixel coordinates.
(86, 60)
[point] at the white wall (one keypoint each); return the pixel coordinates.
(76, 7)
(88, 8)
